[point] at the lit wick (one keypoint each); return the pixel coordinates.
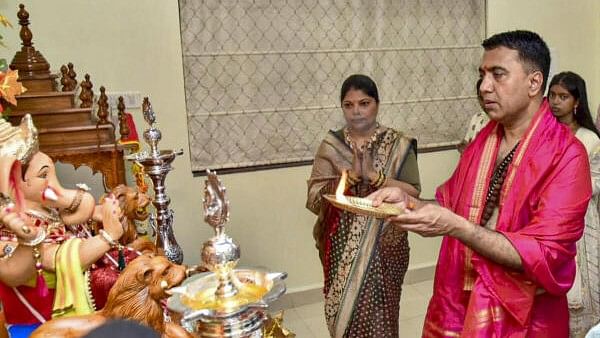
(356, 201)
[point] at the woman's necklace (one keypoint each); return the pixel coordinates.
(366, 145)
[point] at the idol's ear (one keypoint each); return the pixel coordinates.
(10, 176)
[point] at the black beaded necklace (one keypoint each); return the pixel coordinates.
(493, 193)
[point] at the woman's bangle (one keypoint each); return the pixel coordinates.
(379, 181)
(352, 181)
(374, 181)
(41, 236)
(383, 179)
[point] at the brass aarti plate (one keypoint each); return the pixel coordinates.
(363, 206)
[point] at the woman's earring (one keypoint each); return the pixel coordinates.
(575, 110)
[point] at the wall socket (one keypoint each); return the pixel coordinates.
(132, 99)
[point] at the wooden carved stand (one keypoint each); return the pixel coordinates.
(68, 132)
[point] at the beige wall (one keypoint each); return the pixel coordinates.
(135, 45)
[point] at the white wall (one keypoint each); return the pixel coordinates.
(135, 45)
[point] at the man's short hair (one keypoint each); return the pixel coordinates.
(533, 51)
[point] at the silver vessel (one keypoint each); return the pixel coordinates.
(225, 302)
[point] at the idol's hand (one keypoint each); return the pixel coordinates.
(111, 216)
(428, 221)
(17, 225)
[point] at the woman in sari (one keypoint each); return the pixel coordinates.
(568, 100)
(364, 260)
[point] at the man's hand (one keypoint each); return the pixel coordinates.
(425, 219)
(396, 196)
(428, 221)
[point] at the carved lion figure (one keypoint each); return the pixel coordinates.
(137, 295)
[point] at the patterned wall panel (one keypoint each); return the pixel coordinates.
(262, 77)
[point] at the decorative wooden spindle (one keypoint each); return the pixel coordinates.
(25, 33)
(81, 142)
(123, 126)
(67, 83)
(28, 61)
(64, 78)
(72, 74)
(87, 95)
(103, 107)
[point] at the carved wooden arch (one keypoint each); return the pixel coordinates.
(108, 162)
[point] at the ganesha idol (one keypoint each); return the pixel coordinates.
(45, 248)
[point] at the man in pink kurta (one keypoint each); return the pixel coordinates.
(512, 211)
